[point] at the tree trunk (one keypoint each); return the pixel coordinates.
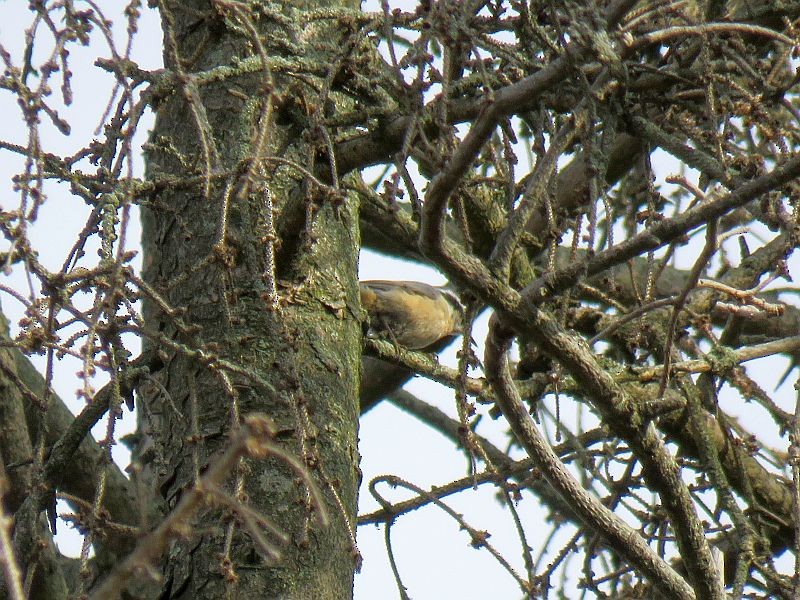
(206, 242)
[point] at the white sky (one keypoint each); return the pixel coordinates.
(435, 558)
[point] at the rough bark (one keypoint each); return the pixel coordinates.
(299, 361)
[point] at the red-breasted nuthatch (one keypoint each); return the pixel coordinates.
(411, 313)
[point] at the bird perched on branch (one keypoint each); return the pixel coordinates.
(410, 313)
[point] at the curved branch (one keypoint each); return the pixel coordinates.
(626, 541)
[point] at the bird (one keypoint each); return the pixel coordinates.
(411, 313)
